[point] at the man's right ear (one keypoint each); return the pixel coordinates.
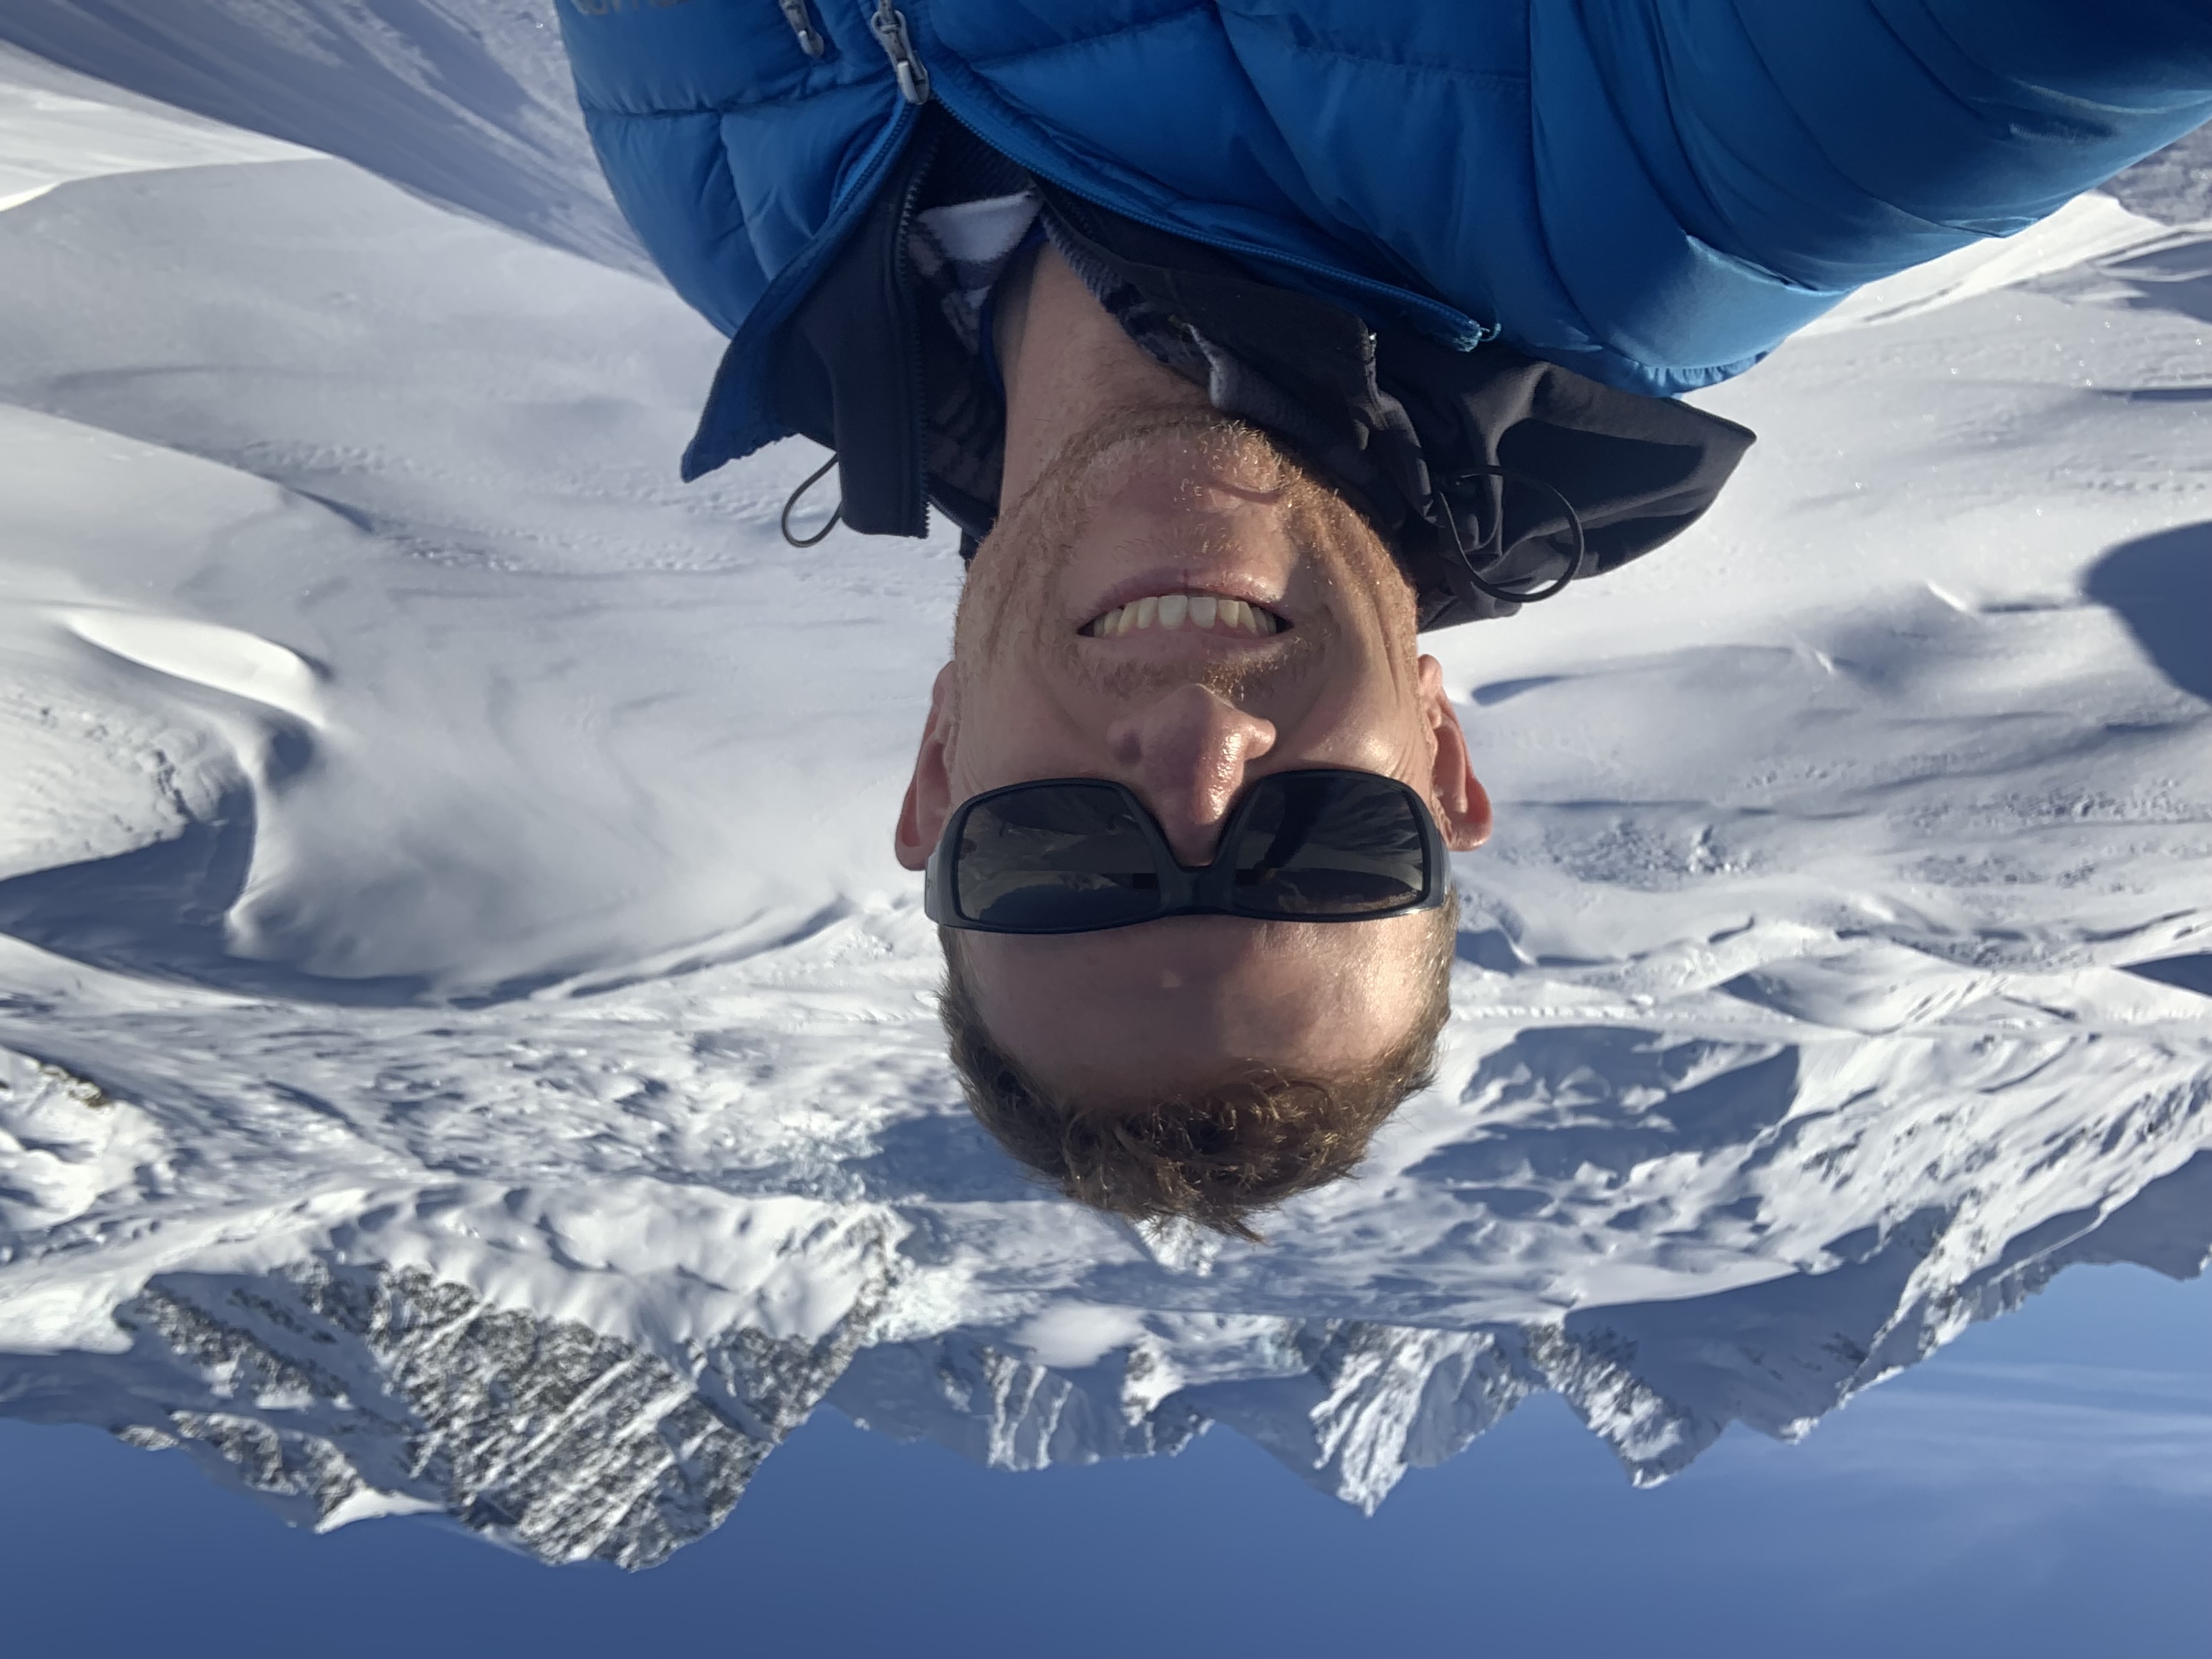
(929, 793)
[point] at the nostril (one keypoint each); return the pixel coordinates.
(1187, 754)
(1125, 743)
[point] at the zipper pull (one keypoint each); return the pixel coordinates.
(809, 39)
(889, 27)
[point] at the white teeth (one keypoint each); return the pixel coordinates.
(1207, 611)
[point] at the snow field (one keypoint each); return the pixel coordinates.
(434, 841)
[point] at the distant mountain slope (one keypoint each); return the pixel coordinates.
(465, 102)
(2173, 186)
(339, 1390)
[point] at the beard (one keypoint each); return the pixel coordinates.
(1019, 569)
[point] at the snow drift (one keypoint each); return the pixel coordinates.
(468, 1047)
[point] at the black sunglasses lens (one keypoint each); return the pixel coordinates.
(1330, 844)
(1057, 857)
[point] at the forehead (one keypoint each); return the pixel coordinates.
(1162, 1003)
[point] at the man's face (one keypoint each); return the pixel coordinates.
(1084, 647)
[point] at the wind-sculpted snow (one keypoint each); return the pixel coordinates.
(465, 102)
(464, 1044)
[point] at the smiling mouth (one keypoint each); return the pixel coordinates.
(1202, 613)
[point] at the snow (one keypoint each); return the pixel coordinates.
(48, 137)
(2089, 227)
(446, 894)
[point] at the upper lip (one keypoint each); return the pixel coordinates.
(1252, 590)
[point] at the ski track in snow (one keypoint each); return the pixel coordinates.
(467, 1044)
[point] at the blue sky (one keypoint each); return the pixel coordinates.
(2042, 1486)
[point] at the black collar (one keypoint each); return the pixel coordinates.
(1495, 477)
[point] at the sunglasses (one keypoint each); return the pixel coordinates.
(1077, 855)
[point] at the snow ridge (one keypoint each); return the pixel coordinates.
(467, 103)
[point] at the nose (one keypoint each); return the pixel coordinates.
(1186, 755)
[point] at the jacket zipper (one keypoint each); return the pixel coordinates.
(914, 90)
(802, 25)
(734, 383)
(888, 25)
(903, 279)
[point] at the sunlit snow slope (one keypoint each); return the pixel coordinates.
(469, 1047)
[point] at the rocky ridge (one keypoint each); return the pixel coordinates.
(336, 1392)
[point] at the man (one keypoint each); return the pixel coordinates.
(1242, 340)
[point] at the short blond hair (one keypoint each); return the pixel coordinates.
(1216, 1157)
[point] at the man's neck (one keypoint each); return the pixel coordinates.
(1067, 365)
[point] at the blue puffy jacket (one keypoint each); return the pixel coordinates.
(1654, 193)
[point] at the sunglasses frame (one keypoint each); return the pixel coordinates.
(1206, 891)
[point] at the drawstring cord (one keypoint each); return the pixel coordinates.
(799, 495)
(1497, 533)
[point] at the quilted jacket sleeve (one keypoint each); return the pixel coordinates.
(1808, 146)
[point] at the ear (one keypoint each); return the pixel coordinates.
(1463, 807)
(929, 793)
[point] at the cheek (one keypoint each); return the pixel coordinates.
(1365, 724)
(1015, 725)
